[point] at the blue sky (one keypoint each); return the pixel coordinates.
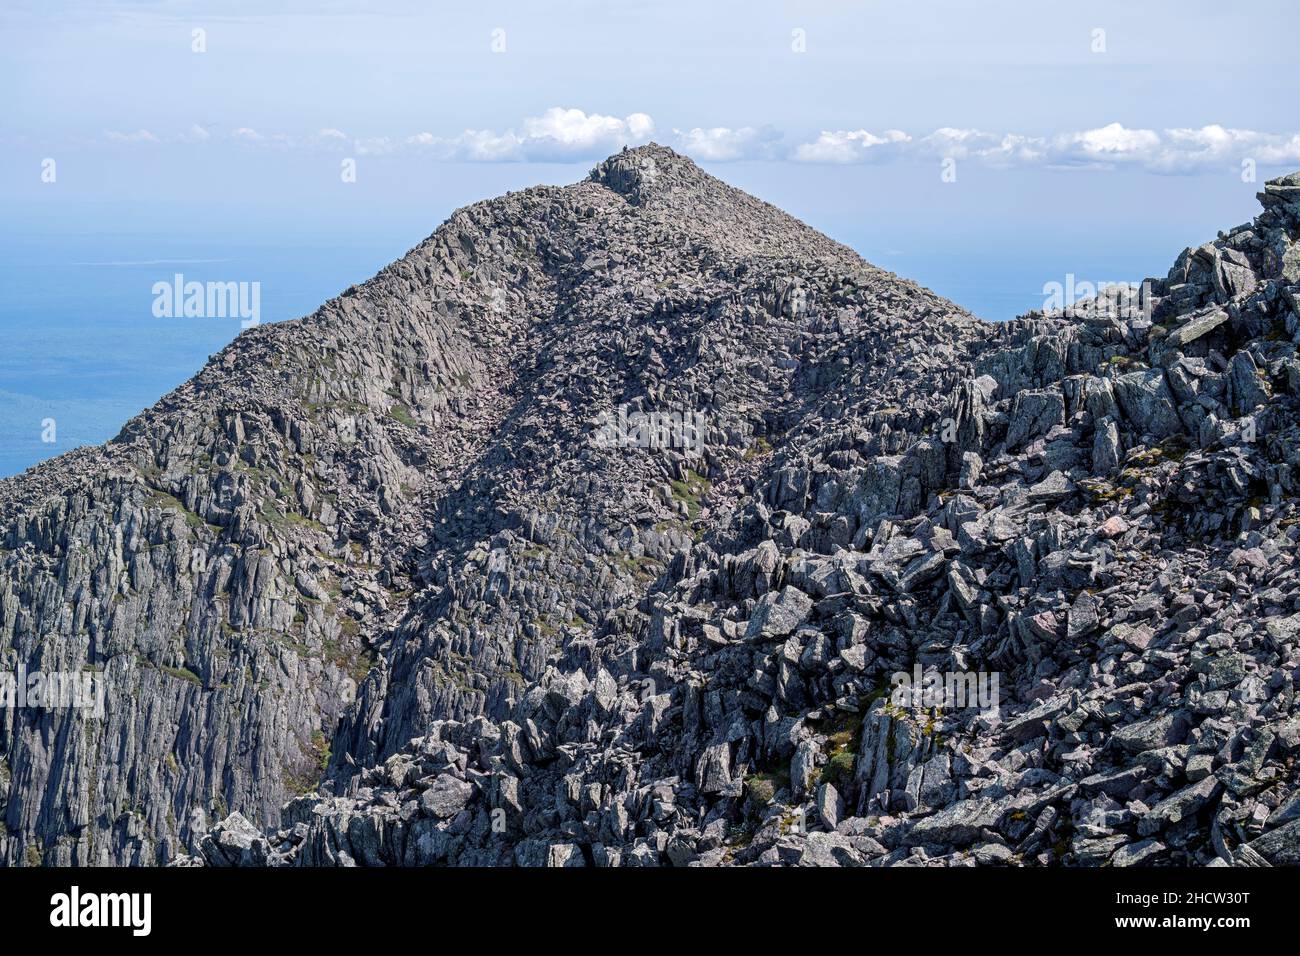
(252, 101)
(374, 65)
(1094, 138)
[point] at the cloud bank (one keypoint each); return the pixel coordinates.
(1108, 147)
(570, 135)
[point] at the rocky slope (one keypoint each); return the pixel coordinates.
(376, 587)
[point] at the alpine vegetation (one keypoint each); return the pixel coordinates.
(426, 577)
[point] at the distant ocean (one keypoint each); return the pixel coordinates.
(81, 349)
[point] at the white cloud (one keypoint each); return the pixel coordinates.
(1179, 150)
(572, 134)
(1192, 148)
(139, 136)
(1014, 149)
(959, 143)
(375, 146)
(724, 144)
(557, 135)
(473, 145)
(850, 146)
(332, 140)
(993, 149)
(1111, 146)
(485, 146)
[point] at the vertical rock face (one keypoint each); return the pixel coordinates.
(596, 530)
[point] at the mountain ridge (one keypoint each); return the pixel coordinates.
(368, 582)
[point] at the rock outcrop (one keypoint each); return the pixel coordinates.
(393, 584)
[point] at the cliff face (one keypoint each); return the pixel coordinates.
(395, 584)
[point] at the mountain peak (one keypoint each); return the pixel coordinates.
(670, 187)
(636, 172)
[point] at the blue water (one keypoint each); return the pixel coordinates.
(79, 343)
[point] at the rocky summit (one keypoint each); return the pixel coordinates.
(635, 523)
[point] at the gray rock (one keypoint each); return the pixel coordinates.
(1033, 413)
(1196, 327)
(1146, 402)
(1107, 453)
(1179, 806)
(446, 796)
(778, 614)
(1163, 731)
(1137, 854)
(1280, 847)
